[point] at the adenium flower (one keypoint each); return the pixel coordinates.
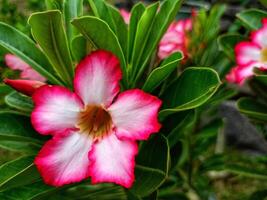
(125, 15)
(175, 39)
(250, 54)
(27, 87)
(94, 129)
(15, 63)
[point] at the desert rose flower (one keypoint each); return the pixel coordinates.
(175, 39)
(15, 63)
(94, 128)
(27, 87)
(250, 54)
(239, 74)
(126, 15)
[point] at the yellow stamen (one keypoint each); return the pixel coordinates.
(95, 121)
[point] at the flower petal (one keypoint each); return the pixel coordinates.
(15, 63)
(259, 36)
(31, 74)
(97, 78)
(27, 87)
(247, 52)
(134, 114)
(56, 109)
(112, 160)
(64, 159)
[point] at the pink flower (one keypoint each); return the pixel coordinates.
(126, 15)
(239, 74)
(94, 129)
(15, 63)
(250, 54)
(175, 39)
(27, 87)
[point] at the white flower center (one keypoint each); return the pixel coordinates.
(95, 121)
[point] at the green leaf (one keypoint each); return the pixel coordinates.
(262, 79)
(252, 108)
(80, 47)
(25, 147)
(54, 4)
(164, 17)
(23, 47)
(193, 88)
(47, 29)
(72, 9)
(15, 127)
(159, 74)
(35, 191)
(17, 173)
(182, 128)
(93, 192)
(97, 32)
(152, 166)
(113, 18)
(136, 13)
(141, 36)
(246, 171)
(19, 101)
(227, 44)
(251, 18)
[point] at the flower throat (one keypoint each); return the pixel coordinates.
(95, 121)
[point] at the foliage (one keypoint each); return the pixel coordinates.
(189, 155)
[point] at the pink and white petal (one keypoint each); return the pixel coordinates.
(31, 74)
(97, 78)
(247, 52)
(56, 109)
(15, 63)
(112, 160)
(259, 37)
(64, 158)
(135, 115)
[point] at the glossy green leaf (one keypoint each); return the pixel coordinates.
(113, 18)
(227, 44)
(19, 101)
(251, 18)
(15, 127)
(193, 88)
(35, 191)
(80, 47)
(136, 13)
(18, 172)
(93, 192)
(142, 34)
(99, 33)
(72, 9)
(252, 108)
(25, 147)
(47, 29)
(152, 166)
(23, 47)
(159, 74)
(164, 17)
(54, 4)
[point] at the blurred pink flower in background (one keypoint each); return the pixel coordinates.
(15, 63)
(175, 39)
(126, 15)
(249, 55)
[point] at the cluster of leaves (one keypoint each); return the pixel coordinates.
(189, 155)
